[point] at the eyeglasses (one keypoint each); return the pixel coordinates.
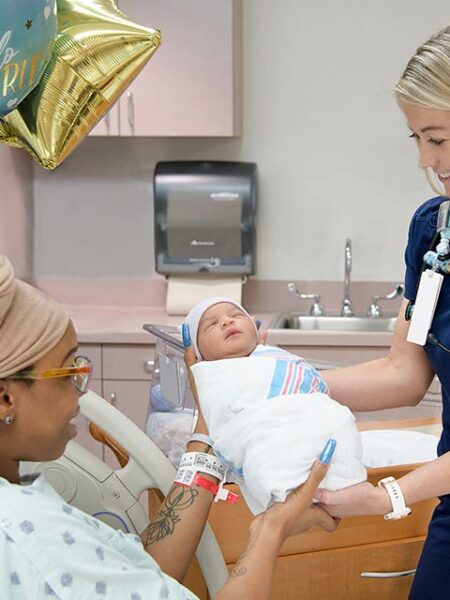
(80, 373)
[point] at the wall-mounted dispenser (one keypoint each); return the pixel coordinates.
(205, 230)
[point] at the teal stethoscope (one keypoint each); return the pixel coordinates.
(438, 258)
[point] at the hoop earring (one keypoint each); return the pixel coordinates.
(9, 420)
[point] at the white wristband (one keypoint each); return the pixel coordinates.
(201, 437)
(200, 462)
(399, 508)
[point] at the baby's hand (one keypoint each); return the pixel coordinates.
(190, 359)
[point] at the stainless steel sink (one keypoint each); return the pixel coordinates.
(295, 320)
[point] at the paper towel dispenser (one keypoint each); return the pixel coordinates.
(205, 215)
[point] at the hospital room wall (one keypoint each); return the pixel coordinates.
(320, 121)
(16, 210)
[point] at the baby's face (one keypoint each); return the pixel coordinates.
(225, 332)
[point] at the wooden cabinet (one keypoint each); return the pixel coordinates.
(337, 573)
(316, 564)
(192, 85)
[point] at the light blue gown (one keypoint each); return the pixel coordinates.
(50, 550)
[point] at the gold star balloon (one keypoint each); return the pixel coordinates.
(96, 55)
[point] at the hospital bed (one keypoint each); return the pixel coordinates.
(113, 496)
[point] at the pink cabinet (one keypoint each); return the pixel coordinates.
(122, 375)
(132, 399)
(191, 87)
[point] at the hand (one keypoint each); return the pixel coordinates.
(190, 359)
(361, 499)
(298, 513)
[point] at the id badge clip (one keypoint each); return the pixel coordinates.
(426, 300)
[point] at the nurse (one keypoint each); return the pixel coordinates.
(49, 549)
(402, 378)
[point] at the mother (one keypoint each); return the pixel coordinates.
(51, 550)
(402, 378)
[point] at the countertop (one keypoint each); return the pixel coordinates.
(123, 325)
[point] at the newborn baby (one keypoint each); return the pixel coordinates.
(267, 410)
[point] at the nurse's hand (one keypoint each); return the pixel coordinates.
(298, 513)
(361, 499)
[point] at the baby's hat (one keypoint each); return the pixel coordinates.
(196, 313)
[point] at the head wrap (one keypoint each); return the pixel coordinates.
(31, 323)
(196, 313)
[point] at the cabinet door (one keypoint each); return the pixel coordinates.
(191, 86)
(337, 573)
(128, 361)
(132, 399)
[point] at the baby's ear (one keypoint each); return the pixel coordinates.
(262, 336)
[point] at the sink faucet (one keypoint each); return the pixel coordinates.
(347, 310)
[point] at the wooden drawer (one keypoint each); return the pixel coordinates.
(336, 574)
(94, 352)
(231, 523)
(123, 361)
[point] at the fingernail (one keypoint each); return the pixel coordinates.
(258, 323)
(186, 335)
(328, 451)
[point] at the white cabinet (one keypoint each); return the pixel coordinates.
(191, 87)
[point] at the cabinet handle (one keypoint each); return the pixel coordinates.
(149, 365)
(130, 110)
(113, 398)
(388, 574)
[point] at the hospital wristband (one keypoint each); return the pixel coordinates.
(201, 462)
(217, 491)
(201, 437)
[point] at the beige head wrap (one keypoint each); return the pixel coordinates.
(31, 323)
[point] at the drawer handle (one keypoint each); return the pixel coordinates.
(388, 574)
(149, 365)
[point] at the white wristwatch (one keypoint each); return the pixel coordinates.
(399, 508)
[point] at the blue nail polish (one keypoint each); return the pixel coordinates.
(258, 323)
(328, 451)
(186, 335)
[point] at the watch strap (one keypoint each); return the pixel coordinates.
(399, 508)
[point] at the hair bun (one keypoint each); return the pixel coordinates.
(7, 286)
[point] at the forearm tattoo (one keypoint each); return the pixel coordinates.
(237, 570)
(178, 499)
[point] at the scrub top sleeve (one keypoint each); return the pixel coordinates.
(412, 269)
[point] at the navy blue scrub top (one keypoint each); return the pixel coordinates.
(421, 233)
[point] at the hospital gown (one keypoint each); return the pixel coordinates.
(50, 550)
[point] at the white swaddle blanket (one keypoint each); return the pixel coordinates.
(270, 444)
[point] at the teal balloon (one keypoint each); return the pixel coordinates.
(27, 31)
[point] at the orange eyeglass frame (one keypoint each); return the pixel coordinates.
(80, 372)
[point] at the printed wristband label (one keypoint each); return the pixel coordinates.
(204, 463)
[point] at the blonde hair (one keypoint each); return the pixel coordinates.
(426, 82)
(426, 79)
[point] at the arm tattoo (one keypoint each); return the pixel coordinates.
(237, 570)
(179, 498)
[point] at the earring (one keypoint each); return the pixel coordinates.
(9, 420)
